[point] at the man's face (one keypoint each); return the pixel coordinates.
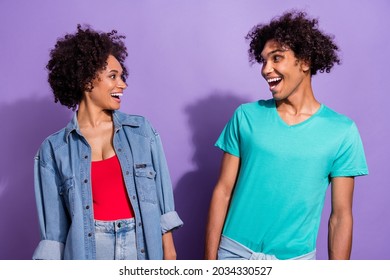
(284, 73)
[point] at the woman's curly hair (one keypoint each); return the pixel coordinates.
(76, 60)
(301, 34)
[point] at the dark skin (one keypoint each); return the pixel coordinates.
(96, 125)
(295, 103)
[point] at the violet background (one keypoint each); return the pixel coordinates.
(189, 70)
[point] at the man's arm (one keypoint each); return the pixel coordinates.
(220, 203)
(341, 219)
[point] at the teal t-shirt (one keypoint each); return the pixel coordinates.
(284, 173)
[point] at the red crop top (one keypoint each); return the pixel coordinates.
(110, 199)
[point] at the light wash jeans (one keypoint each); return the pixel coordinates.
(115, 240)
(232, 250)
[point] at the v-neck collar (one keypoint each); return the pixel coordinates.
(275, 109)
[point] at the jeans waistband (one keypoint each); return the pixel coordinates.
(243, 251)
(114, 226)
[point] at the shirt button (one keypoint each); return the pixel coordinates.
(119, 150)
(133, 196)
(140, 224)
(87, 207)
(89, 234)
(119, 225)
(85, 156)
(86, 181)
(142, 251)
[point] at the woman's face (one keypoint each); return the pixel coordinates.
(108, 86)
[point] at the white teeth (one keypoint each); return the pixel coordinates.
(273, 80)
(117, 94)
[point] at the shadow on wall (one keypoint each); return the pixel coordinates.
(25, 124)
(207, 118)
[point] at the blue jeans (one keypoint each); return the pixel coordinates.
(232, 250)
(115, 240)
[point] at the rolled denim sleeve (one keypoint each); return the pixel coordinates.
(49, 250)
(53, 220)
(169, 218)
(169, 221)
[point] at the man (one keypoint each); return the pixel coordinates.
(281, 154)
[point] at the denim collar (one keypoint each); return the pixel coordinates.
(120, 119)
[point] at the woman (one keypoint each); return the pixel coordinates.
(102, 184)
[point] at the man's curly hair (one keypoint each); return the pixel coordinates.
(299, 33)
(76, 60)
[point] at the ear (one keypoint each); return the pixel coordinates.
(305, 65)
(88, 87)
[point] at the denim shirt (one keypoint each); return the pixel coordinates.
(63, 190)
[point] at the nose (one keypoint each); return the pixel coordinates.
(267, 69)
(122, 84)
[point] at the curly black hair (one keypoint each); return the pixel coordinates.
(294, 29)
(76, 60)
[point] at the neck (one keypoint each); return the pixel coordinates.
(301, 105)
(89, 116)
(302, 101)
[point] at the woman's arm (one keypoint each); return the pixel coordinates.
(168, 246)
(52, 213)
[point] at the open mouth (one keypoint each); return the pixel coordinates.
(117, 95)
(273, 82)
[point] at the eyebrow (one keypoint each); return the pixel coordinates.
(114, 71)
(274, 51)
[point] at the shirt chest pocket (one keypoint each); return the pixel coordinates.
(67, 194)
(145, 182)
